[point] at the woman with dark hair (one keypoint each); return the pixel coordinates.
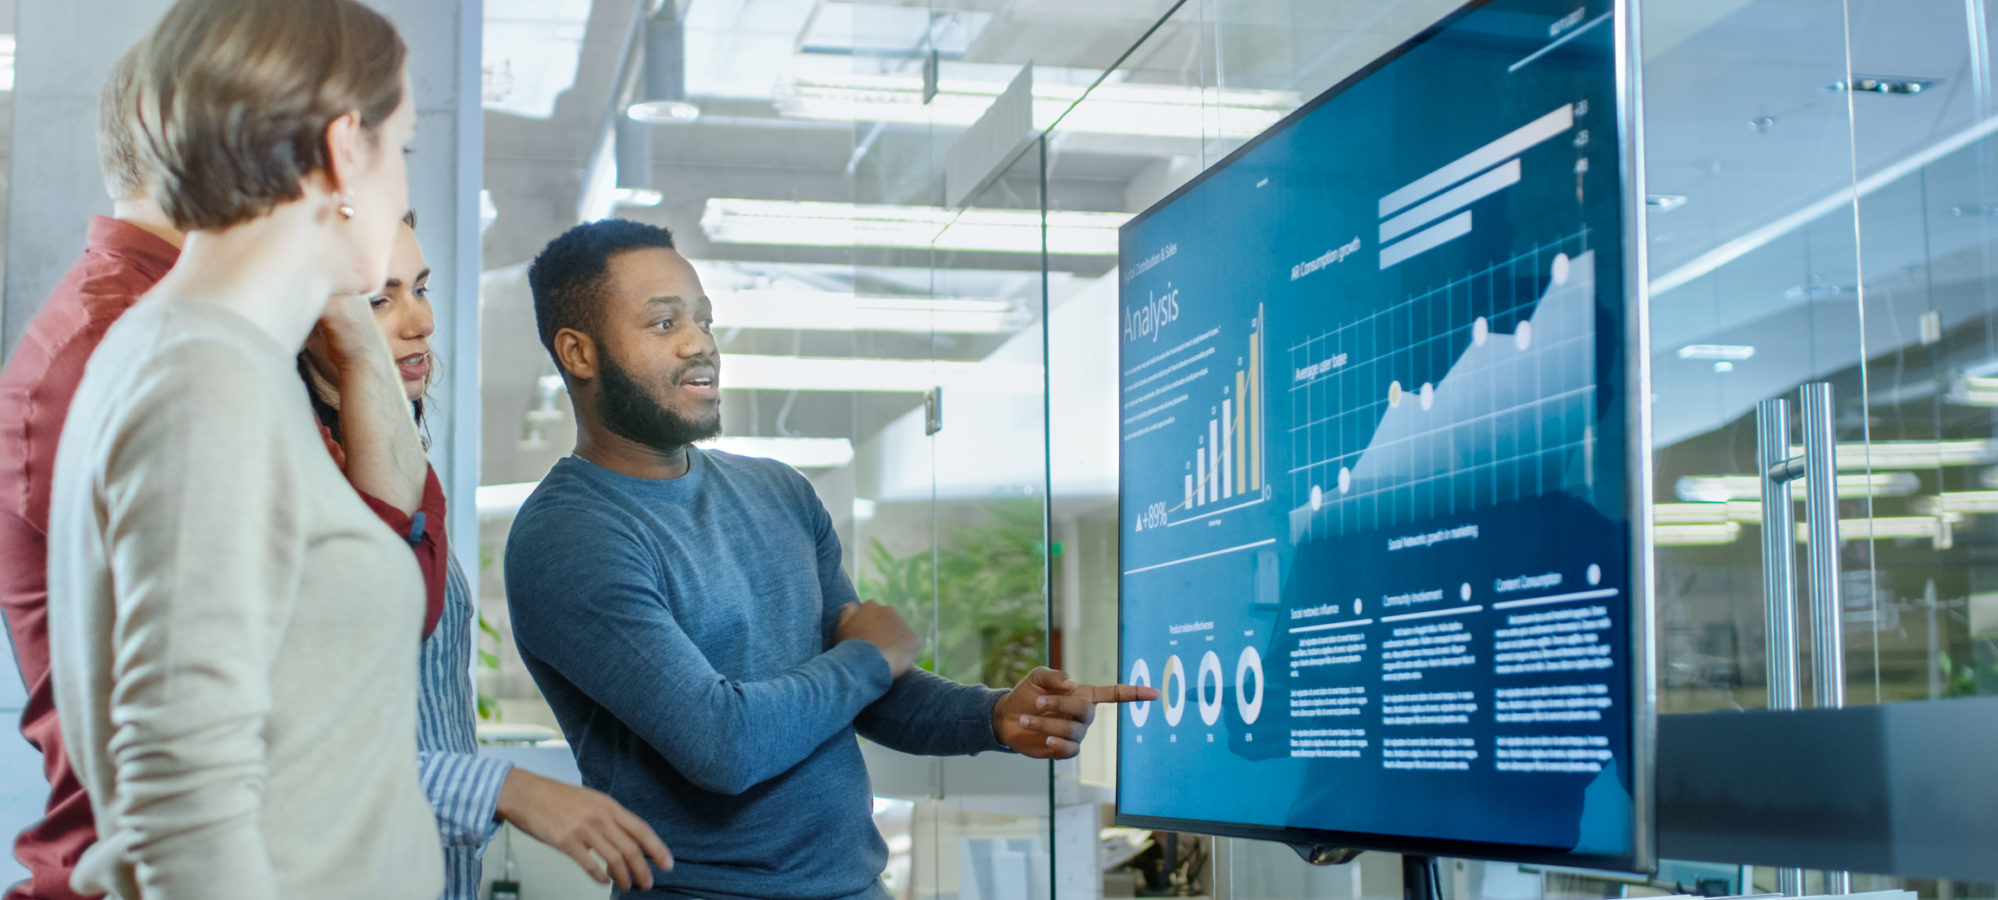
(230, 626)
(470, 794)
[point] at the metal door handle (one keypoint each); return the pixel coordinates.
(1779, 573)
(1821, 507)
(1818, 467)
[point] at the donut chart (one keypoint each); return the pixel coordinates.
(1141, 675)
(1210, 675)
(1172, 688)
(1249, 667)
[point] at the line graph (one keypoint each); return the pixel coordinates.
(1494, 402)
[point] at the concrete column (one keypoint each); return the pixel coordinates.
(62, 52)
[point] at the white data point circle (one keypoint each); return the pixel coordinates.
(1210, 673)
(1561, 268)
(1317, 497)
(1250, 666)
(1141, 675)
(1172, 688)
(1428, 395)
(1465, 592)
(1394, 393)
(1523, 337)
(1481, 331)
(1345, 479)
(1595, 574)
(1359, 608)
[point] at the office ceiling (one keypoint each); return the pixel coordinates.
(1742, 125)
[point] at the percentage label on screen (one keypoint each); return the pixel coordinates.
(1154, 516)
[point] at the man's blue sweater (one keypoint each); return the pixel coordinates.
(682, 632)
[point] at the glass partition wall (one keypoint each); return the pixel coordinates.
(1819, 211)
(933, 346)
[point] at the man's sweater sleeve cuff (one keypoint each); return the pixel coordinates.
(976, 722)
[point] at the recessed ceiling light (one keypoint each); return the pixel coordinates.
(1883, 84)
(1814, 292)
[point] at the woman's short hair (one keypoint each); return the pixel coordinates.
(235, 97)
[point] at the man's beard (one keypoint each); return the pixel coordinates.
(628, 410)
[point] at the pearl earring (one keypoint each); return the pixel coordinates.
(346, 207)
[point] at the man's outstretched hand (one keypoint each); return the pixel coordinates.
(1048, 714)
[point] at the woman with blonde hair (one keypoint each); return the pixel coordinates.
(233, 632)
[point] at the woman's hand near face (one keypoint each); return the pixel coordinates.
(353, 343)
(378, 434)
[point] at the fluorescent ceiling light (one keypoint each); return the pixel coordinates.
(663, 112)
(1707, 513)
(1729, 352)
(637, 197)
(1965, 502)
(1938, 528)
(1913, 454)
(1689, 513)
(1699, 535)
(1717, 488)
(6, 62)
(1141, 110)
(807, 310)
(796, 452)
(740, 371)
(1975, 391)
(795, 223)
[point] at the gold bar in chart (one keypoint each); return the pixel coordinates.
(1241, 429)
(1252, 404)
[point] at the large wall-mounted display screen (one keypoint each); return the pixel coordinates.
(1378, 470)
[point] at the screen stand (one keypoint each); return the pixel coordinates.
(1324, 855)
(1419, 878)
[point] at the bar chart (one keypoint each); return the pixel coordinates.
(1224, 464)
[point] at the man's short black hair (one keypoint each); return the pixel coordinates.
(567, 276)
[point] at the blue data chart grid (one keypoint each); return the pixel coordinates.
(1377, 445)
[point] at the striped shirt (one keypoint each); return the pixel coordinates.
(463, 787)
